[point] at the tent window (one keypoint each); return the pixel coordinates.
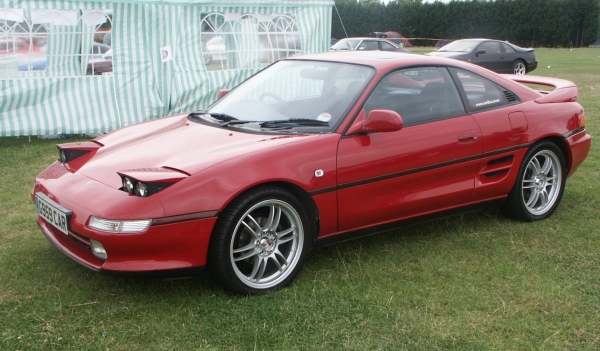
(236, 41)
(53, 43)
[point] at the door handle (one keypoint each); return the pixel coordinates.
(467, 137)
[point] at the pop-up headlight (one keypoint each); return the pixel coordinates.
(145, 182)
(75, 155)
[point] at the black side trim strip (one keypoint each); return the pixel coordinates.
(334, 239)
(323, 190)
(185, 218)
(417, 170)
(573, 132)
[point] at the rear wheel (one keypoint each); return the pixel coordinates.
(259, 242)
(540, 184)
(519, 68)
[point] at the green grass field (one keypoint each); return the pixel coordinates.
(472, 282)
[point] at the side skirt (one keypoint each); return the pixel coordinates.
(361, 233)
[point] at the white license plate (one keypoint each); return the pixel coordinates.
(53, 213)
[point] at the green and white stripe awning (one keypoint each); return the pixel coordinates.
(61, 100)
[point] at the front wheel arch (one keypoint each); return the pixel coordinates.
(237, 258)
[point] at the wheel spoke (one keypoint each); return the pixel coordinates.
(532, 199)
(536, 166)
(258, 227)
(254, 233)
(248, 254)
(274, 217)
(280, 256)
(250, 246)
(283, 233)
(543, 196)
(259, 268)
(279, 268)
(528, 183)
(547, 165)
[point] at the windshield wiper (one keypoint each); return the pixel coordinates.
(282, 123)
(219, 116)
(304, 122)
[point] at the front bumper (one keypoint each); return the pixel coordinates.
(170, 243)
(161, 247)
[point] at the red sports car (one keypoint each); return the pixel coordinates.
(312, 150)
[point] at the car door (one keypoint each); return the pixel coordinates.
(504, 127)
(426, 166)
(510, 55)
(493, 57)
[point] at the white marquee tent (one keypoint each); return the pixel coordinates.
(165, 57)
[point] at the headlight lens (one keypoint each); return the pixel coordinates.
(62, 157)
(141, 189)
(68, 155)
(118, 226)
(128, 185)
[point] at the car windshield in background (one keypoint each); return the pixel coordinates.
(345, 44)
(460, 46)
(292, 94)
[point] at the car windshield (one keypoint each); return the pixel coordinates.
(346, 44)
(460, 46)
(310, 95)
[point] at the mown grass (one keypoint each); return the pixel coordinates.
(472, 282)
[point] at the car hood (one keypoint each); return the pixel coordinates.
(174, 143)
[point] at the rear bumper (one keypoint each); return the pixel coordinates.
(579, 145)
(531, 66)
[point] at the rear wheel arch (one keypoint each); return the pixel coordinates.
(561, 144)
(540, 183)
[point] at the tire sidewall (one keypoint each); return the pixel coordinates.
(516, 207)
(219, 260)
(514, 66)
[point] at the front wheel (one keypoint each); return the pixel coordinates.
(540, 184)
(519, 68)
(259, 242)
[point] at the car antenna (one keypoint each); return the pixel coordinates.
(340, 17)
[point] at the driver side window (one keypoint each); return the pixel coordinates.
(418, 95)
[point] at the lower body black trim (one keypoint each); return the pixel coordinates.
(361, 233)
(161, 274)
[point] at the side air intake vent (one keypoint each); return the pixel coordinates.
(510, 96)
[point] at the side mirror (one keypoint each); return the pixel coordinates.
(222, 93)
(479, 52)
(378, 121)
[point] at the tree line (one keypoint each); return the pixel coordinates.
(534, 23)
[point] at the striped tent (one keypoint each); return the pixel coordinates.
(145, 83)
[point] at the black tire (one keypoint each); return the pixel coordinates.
(259, 242)
(519, 68)
(540, 184)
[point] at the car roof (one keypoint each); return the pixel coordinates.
(366, 38)
(376, 58)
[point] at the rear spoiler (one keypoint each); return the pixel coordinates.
(564, 90)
